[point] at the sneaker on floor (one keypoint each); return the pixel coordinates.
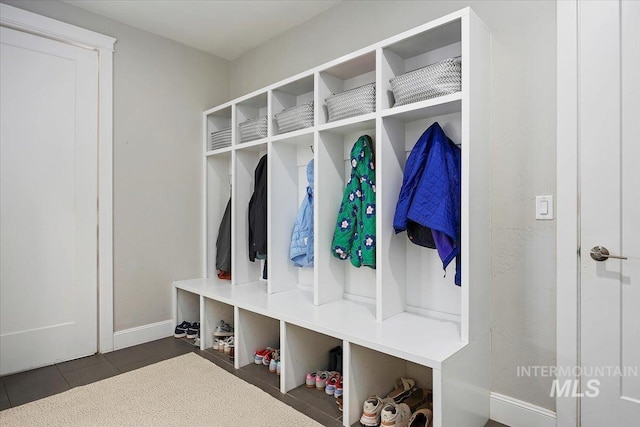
(339, 388)
(259, 355)
(371, 411)
(395, 415)
(311, 379)
(194, 330)
(223, 330)
(275, 359)
(266, 359)
(422, 417)
(217, 342)
(181, 330)
(332, 383)
(321, 379)
(229, 343)
(278, 368)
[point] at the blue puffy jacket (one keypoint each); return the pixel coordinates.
(430, 194)
(301, 249)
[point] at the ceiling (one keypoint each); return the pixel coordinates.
(224, 28)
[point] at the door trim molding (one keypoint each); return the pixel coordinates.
(13, 17)
(568, 192)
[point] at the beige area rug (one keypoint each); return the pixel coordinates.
(184, 391)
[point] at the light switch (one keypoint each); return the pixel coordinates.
(544, 207)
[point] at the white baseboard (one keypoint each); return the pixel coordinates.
(143, 334)
(516, 413)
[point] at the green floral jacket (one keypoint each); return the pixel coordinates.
(355, 233)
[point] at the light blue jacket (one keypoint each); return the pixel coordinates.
(301, 249)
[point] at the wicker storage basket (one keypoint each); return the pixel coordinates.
(441, 78)
(354, 102)
(253, 129)
(294, 118)
(220, 139)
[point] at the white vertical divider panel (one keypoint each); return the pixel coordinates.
(234, 195)
(318, 104)
(243, 270)
(174, 304)
(239, 355)
(437, 398)
(205, 189)
(270, 121)
(202, 321)
(330, 182)
(476, 179)
(283, 201)
(350, 407)
(465, 383)
(284, 358)
(392, 271)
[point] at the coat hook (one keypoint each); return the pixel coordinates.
(311, 146)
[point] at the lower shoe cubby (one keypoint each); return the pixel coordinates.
(370, 372)
(214, 312)
(187, 307)
(254, 332)
(304, 352)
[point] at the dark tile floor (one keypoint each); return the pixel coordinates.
(24, 387)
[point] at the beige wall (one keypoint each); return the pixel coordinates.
(160, 90)
(523, 124)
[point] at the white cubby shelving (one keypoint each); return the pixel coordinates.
(404, 318)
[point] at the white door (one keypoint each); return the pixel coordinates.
(609, 108)
(48, 201)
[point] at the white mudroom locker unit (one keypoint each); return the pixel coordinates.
(405, 318)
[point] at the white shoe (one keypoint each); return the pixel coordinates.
(371, 411)
(395, 415)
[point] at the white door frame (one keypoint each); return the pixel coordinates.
(568, 233)
(12, 17)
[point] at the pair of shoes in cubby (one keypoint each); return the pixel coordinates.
(328, 381)
(269, 357)
(224, 345)
(405, 406)
(187, 329)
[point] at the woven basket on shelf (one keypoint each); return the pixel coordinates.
(294, 118)
(354, 102)
(253, 129)
(220, 139)
(441, 78)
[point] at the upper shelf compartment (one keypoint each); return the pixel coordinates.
(218, 130)
(357, 75)
(251, 119)
(292, 106)
(415, 53)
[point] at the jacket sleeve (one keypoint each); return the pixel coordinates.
(223, 242)
(412, 173)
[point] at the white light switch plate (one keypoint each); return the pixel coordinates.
(544, 207)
